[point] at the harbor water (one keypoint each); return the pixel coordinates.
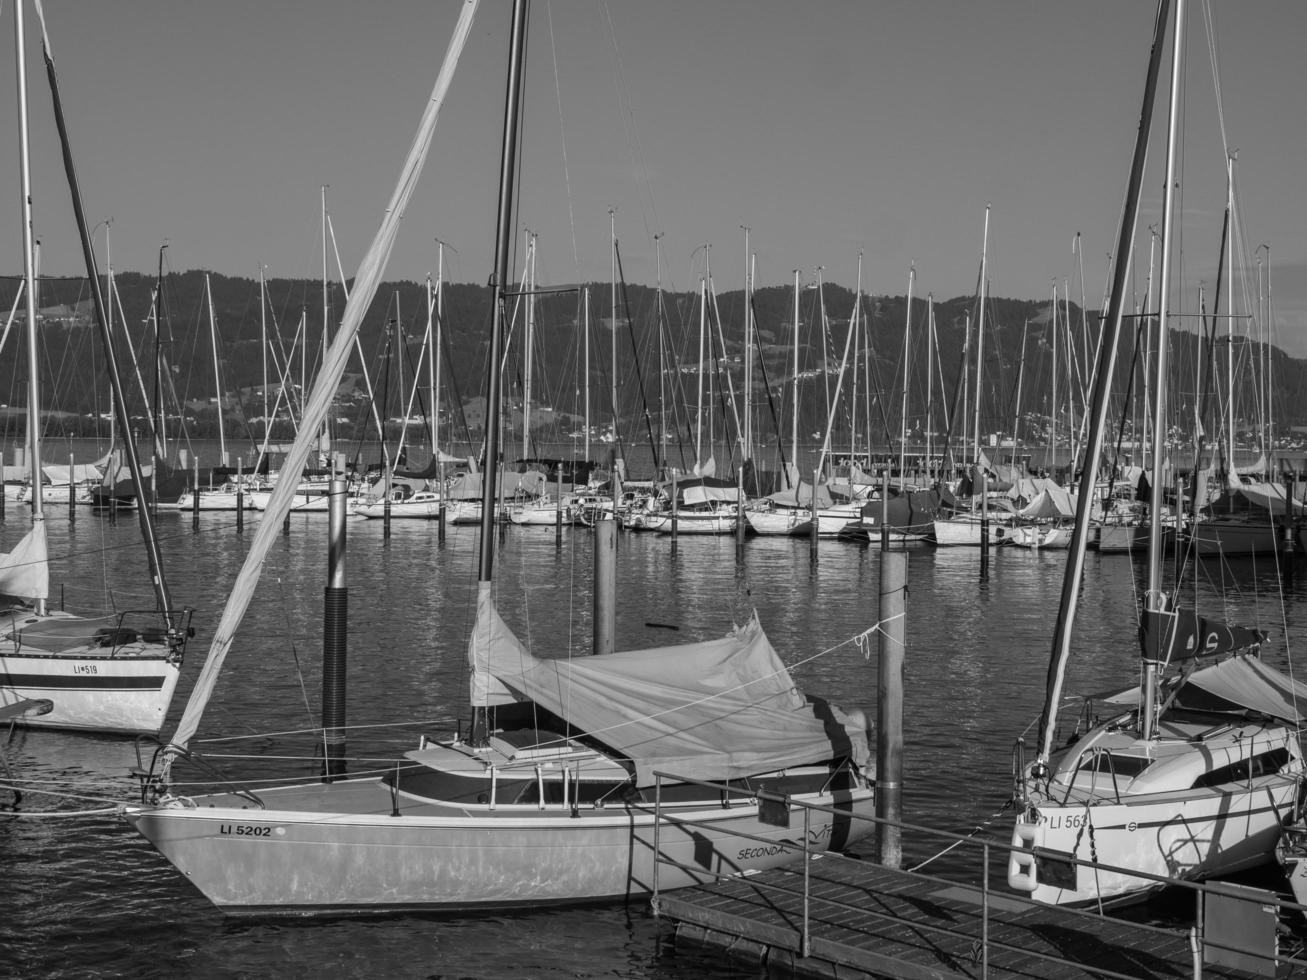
(83, 896)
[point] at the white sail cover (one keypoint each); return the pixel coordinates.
(714, 710)
(25, 571)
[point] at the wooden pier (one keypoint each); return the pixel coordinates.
(864, 920)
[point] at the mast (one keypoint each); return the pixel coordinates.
(585, 292)
(746, 430)
(263, 346)
(163, 598)
(794, 408)
(503, 236)
(698, 423)
(217, 372)
(903, 410)
(930, 384)
(160, 436)
(662, 352)
(980, 350)
(1052, 440)
(324, 444)
(29, 282)
(1016, 412)
(529, 342)
(612, 379)
(1075, 564)
(1155, 598)
(435, 366)
(1229, 309)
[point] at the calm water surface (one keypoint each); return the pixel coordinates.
(84, 896)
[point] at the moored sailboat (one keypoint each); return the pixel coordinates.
(114, 673)
(1193, 774)
(554, 795)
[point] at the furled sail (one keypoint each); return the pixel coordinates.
(1172, 635)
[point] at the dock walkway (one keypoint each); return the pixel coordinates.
(865, 920)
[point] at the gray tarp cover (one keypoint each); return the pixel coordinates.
(714, 710)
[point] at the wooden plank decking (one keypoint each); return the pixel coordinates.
(867, 920)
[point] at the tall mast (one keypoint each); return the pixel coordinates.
(612, 296)
(217, 371)
(746, 433)
(930, 383)
(662, 352)
(163, 598)
(794, 407)
(529, 342)
(1155, 598)
(263, 345)
(1074, 568)
(1016, 411)
(160, 436)
(1052, 438)
(29, 281)
(980, 343)
(434, 362)
(903, 409)
(585, 328)
(1229, 309)
(324, 445)
(503, 236)
(698, 423)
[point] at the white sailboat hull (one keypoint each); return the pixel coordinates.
(782, 521)
(352, 846)
(1192, 835)
(422, 506)
(93, 691)
(693, 522)
(223, 500)
(966, 531)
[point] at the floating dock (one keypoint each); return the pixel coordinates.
(855, 919)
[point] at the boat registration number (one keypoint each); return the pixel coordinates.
(243, 830)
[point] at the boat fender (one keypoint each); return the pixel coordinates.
(1021, 871)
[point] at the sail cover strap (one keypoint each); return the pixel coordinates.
(324, 389)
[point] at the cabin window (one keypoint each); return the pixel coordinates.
(1265, 764)
(1125, 766)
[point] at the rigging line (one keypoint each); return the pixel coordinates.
(562, 136)
(1216, 72)
(54, 814)
(1007, 805)
(627, 115)
(25, 786)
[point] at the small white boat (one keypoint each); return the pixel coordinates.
(227, 497)
(415, 505)
(965, 529)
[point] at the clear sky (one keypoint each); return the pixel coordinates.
(829, 128)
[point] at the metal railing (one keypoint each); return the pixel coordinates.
(1199, 943)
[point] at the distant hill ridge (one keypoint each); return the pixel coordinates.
(72, 364)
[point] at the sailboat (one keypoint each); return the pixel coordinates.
(552, 795)
(1194, 772)
(113, 673)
